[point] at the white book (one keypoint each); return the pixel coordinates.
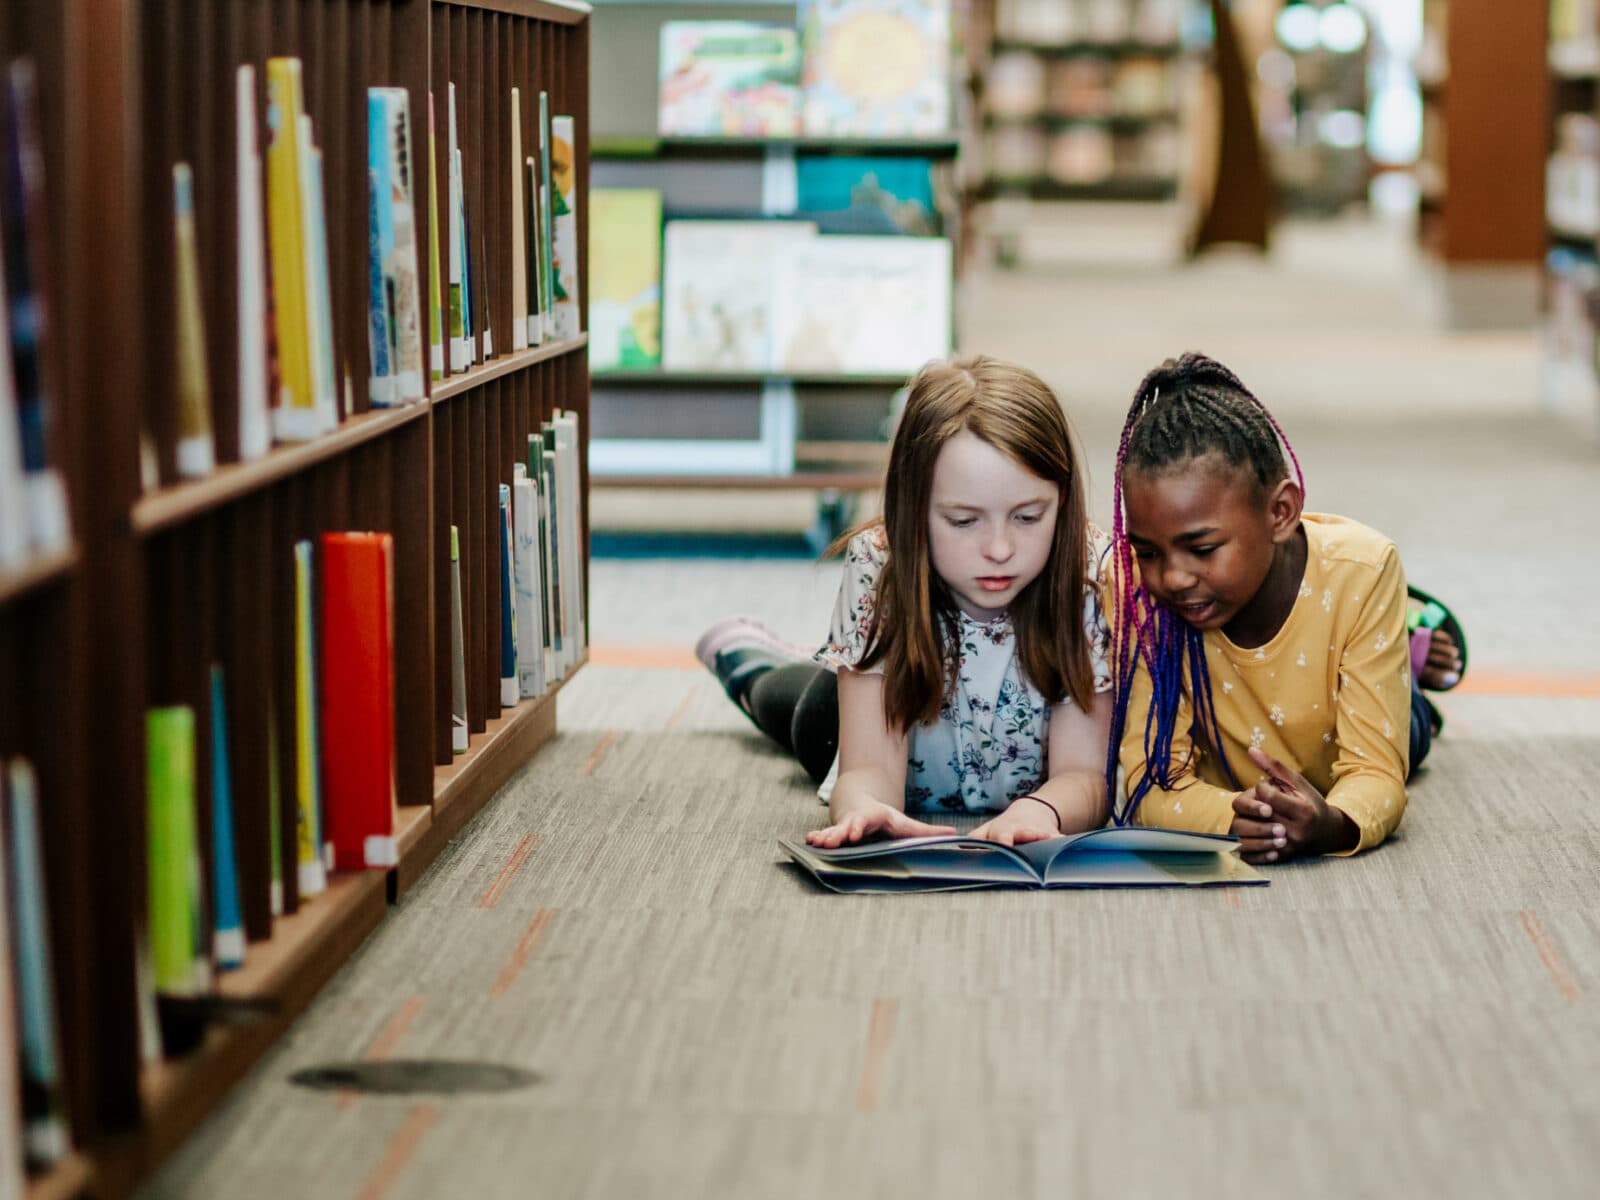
(530, 628)
(454, 312)
(519, 231)
(570, 489)
(319, 301)
(548, 510)
(255, 426)
(11, 1177)
(717, 300)
(13, 491)
(404, 270)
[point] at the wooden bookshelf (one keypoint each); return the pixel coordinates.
(161, 583)
(68, 1179)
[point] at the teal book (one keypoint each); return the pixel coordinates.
(897, 190)
(382, 386)
(228, 934)
(44, 1124)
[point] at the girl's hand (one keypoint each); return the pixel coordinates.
(1025, 821)
(1285, 816)
(874, 819)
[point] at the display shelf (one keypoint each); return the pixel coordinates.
(652, 147)
(1081, 49)
(1123, 190)
(747, 378)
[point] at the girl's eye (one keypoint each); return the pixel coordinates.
(962, 522)
(1204, 551)
(1030, 518)
(1144, 555)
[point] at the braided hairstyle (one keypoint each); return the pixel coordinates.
(1185, 409)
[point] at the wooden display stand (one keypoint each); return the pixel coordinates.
(162, 583)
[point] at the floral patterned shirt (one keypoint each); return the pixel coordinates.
(989, 743)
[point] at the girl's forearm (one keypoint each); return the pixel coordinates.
(862, 788)
(1080, 798)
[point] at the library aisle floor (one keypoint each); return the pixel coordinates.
(1421, 1021)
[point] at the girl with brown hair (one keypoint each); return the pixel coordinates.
(966, 662)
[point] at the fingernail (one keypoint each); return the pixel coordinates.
(1280, 841)
(1277, 831)
(1451, 678)
(1266, 810)
(1272, 856)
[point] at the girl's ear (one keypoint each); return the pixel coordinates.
(1285, 503)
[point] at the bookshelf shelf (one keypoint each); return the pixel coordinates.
(1090, 49)
(1121, 190)
(172, 506)
(1114, 121)
(651, 147)
(68, 1179)
(798, 481)
(562, 12)
(39, 572)
(495, 368)
(743, 379)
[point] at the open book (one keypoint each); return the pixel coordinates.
(1108, 857)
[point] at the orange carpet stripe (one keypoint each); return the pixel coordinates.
(384, 1045)
(1483, 682)
(650, 658)
(400, 1149)
(598, 754)
(528, 943)
(509, 871)
(1547, 955)
(879, 1033)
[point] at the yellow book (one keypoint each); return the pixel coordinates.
(196, 450)
(307, 768)
(296, 417)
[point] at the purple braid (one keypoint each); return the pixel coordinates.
(1183, 409)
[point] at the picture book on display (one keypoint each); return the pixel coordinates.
(1109, 857)
(875, 68)
(564, 281)
(898, 191)
(720, 278)
(862, 305)
(729, 79)
(624, 279)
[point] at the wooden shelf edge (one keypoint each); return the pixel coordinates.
(455, 385)
(39, 571)
(184, 501)
(274, 967)
(562, 12)
(467, 784)
(67, 1180)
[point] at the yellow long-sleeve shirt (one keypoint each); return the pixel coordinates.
(1329, 695)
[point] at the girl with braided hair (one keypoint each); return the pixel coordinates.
(1265, 681)
(965, 667)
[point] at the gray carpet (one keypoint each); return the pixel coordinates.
(1420, 1021)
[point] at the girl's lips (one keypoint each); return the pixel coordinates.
(995, 583)
(1196, 612)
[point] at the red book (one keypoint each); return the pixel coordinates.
(358, 773)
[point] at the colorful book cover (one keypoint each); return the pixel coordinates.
(875, 68)
(357, 699)
(11, 1152)
(519, 229)
(459, 732)
(319, 300)
(228, 932)
(196, 449)
(402, 270)
(178, 940)
(24, 209)
(717, 314)
(435, 321)
(900, 189)
(625, 279)
(44, 1131)
(564, 174)
(382, 388)
(296, 412)
(510, 688)
(729, 79)
(255, 405)
(14, 533)
(308, 768)
(530, 628)
(531, 240)
(456, 242)
(469, 324)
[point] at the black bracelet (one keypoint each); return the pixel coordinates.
(1047, 804)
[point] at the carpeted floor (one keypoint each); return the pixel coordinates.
(1421, 1021)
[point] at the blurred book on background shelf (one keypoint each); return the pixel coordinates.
(625, 279)
(876, 68)
(729, 79)
(898, 189)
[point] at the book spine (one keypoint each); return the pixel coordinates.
(11, 1152)
(404, 273)
(228, 935)
(319, 301)
(485, 268)
(23, 211)
(44, 1134)
(546, 221)
(519, 249)
(357, 699)
(296, 413)
(456, 239)
(381, 390)
(308, 789)
(458, 652)
(530, 632)
(14, 532)
(196, 448)
(274, 809)
(547, 582)
(469, 313)
(567, 464)
(173, 852)
(510, 688)
(558, 582)
(565, 247)
(255, 430)
(435, 323)
(531, 238)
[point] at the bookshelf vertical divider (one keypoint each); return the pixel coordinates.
(163, 581)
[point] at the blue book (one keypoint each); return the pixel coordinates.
(510, 685)
(380, 252)
(44, 1131)
(228, 939)
(899, 188)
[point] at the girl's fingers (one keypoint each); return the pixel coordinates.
(1265, 859)
(1257, 845)
(1248, 804)
(1270, 831)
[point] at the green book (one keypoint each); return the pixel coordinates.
(174, 862)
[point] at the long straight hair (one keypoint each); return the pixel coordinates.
(915, 623)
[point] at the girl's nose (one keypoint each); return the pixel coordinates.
(1175, 580)
(998, 548)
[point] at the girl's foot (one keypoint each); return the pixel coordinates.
(739, 650)
(1438, 645)
(1441, 669)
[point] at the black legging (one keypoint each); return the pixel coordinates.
(797, 706)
